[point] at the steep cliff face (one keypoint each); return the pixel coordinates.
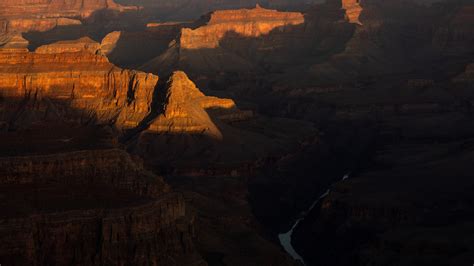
(54, 8)
(112, 167)
(72, 197)
(83, 80)
(231, 40)
(247, 23)
(40, 15)
(25, 24)
(90, 207)
(188, 10)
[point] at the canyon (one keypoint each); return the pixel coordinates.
(178, 133)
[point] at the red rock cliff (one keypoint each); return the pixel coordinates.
(85, 80)
(244, 22)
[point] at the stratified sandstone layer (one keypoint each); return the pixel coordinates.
(13, 42)
(41, 15)
(25, 24)
(247, 23)
(54, 8)
(228, 40)
(84, 44)
(83, 80)
(192, 9)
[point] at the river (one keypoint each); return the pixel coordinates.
(285, 238)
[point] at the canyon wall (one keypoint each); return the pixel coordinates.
(91, 207)
(231, 40)
(84, 80)
(54, 8)
(40, 15)
(245, 23)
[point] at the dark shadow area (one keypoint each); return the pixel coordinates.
(30, 126)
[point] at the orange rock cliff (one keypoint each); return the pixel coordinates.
(244, 22)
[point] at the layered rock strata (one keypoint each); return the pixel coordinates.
(89, 207)
(84, 44)
(83, 80)
(54, 8)
(230, 40)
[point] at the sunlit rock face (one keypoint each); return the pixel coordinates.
(353, 10)
(54, 8)
(230, 40)
(193, 9)
(250, 23)
(84, 44)
(83, 80)
(41, 15)
(26, 24)
(13, 42)
(184, 109)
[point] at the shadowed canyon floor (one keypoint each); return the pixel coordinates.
(178, 133)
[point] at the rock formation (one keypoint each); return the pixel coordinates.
(25, 24)
(184, 109)
(83, 80)
(353, 10)
(247, 23)
(90, 207)
(179, 10)
(54, 8)
(84, 44)
(13, 42)
(41, 15)
(199, 135)
(227, 41)
(72, 196)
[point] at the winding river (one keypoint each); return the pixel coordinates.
(285, 238)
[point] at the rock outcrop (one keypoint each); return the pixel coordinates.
(41, 15)
(353, 10)
(246, 23)
(25, 24)
(13, 42)
(199, 135)
(192, 9)
(184, 109)
(54, 8)
(83, 81)
(84, 44)
(230, 40)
